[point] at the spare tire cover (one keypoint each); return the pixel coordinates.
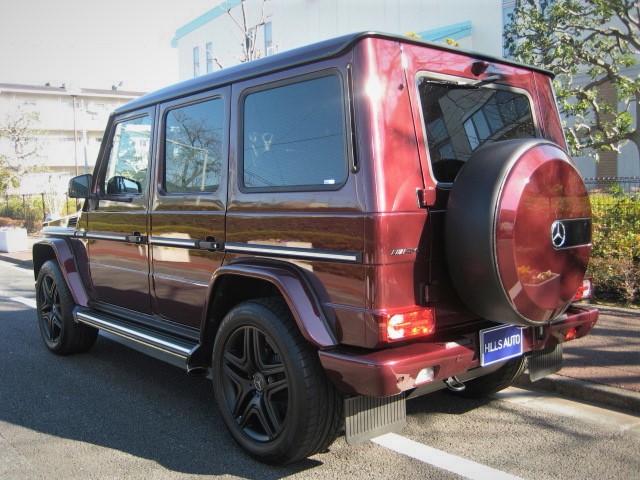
(518, 232)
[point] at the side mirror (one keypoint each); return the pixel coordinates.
(80, 186)
(119, 185)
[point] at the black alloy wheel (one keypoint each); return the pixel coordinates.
(255, 384)
(50, 309)
(55, 304)
(270, 387)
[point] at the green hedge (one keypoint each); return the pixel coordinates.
(615, 259)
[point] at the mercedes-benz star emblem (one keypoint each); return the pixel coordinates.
(558, 234)
(259, 382)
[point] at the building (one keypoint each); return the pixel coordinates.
(71, 124)
(214, 37)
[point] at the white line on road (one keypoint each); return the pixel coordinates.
(438, 458)
(29, 302)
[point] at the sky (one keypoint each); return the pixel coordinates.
(93, 44)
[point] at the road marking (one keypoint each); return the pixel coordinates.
(549, 402)
(446, 461)
(29, 302)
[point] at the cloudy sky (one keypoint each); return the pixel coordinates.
(93, 43)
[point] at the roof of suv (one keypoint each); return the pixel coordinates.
(290, 58)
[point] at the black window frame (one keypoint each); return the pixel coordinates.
(346, 126)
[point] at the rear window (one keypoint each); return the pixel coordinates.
(459, 119)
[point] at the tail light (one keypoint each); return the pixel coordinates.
(584, 291)
(407, 325)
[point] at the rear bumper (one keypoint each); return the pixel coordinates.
(382, 373)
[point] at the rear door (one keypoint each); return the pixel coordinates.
(117, 218)
(188, 210)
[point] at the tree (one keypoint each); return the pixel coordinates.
(21, 149)
(247, 33)
(591, 45)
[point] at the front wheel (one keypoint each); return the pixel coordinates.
(54, 302)
(270, 387)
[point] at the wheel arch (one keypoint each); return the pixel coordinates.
(245, 280)
(58, 249)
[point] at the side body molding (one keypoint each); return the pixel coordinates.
(296, 290)
(60, 249)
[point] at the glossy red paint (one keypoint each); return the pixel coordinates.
(543, 187)
(389, 213)
(302, 302)
(387, 372)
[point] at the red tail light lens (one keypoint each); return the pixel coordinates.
(403, 326)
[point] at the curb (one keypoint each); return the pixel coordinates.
(585, 391)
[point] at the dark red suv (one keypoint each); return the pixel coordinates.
(328, 232)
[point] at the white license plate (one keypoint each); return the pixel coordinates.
(498, 344)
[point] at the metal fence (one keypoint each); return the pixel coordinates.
(628, 185)
(36, 208)
(615, 202)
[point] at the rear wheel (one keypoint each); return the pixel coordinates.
(61, 334)
(270, 387)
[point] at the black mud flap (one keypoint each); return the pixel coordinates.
(545, 362)
(369, 417)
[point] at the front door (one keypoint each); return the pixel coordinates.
(117, 217)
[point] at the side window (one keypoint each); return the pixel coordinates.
(193, 147)
(294, 137)
(128, 164)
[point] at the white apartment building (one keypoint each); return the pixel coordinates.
(475, 25)
(72, 121)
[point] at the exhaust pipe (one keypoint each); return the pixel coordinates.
(454, 384)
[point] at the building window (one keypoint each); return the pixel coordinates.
(268, 39)
(294, 137)
(209, 56)
(196, 61)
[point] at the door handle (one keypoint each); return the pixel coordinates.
(136, 238)
(210, 243)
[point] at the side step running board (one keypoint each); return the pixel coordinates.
(173, 346)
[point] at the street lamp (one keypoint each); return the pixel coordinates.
(74, 91)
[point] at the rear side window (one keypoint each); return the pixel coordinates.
(294, 137)
(193, 147)
(459, 119)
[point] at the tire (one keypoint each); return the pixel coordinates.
(54, 302)
(270, 387)
(489, 384)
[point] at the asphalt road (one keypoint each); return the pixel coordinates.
(115, 413)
